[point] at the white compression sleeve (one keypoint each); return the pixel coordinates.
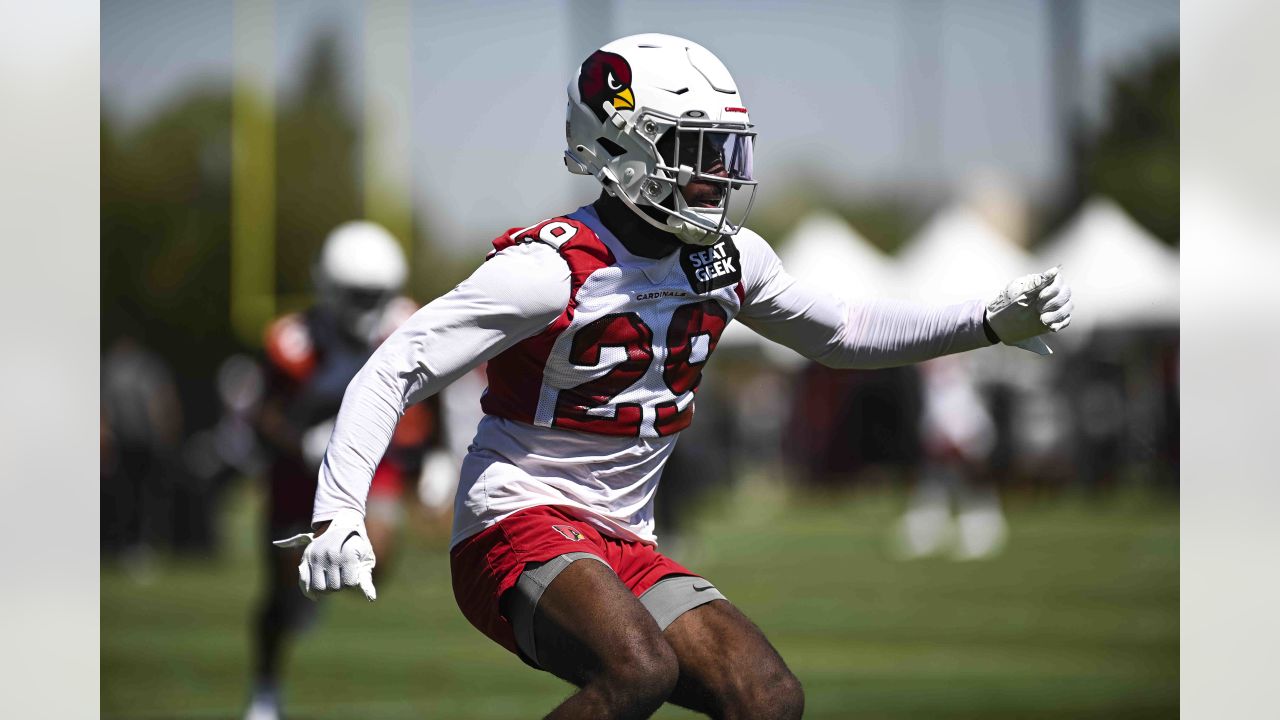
(839, 334)
(513, 295)
(886, 333)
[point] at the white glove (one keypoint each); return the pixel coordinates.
(1029, 307)
(340, 557)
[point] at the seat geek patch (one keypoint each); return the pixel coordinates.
(711, 268)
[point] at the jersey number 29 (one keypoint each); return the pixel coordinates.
(691, 326)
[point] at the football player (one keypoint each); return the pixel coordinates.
(596, 326)
(311, 356)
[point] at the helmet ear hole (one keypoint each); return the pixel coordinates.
(611, 147)
(665, 143)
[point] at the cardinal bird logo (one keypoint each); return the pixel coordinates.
(568, 531)
(606, 78)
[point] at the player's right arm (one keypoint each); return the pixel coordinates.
(886, 333)
(516, 293)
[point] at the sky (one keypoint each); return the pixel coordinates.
(827, 83)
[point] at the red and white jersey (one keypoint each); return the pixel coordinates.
(625, 356)
(594, 355)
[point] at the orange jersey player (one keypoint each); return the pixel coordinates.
(311, 356)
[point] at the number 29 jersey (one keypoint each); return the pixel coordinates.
(585, 412)
(626, 355)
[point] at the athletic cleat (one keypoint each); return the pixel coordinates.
(265, 705)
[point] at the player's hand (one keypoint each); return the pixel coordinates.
(1029, 307)
(338, 556)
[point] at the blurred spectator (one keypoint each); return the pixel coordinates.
(141, 426)
(962, 456)
(846, 421)
(1122, 391)
(214, 456)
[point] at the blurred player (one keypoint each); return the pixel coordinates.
(311, 357)
(959, 436)
(596, 326)
(141, 432)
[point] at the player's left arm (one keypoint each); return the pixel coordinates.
(513, 295)
(886, 333)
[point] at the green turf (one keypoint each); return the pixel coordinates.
(1078, 619)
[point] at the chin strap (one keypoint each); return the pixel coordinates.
(612, 188)
(682, 230)
(583, 158)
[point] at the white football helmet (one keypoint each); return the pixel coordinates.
(649, 114)
(360, 270)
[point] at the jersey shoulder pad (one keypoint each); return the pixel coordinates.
(556, 232)
(290, 347)
(750, 242)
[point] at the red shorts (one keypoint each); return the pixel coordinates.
(487, 564)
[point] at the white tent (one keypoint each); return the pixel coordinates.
(825, 252)
(1120, 274)
(959, 256)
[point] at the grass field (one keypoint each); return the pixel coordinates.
(1078, 619)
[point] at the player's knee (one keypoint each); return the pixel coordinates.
(787, 696)
(774, 693)
(642, 673)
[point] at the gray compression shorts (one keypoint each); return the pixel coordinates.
(668, 599)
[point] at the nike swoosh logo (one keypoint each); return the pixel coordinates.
(705, 587)
(350, 535)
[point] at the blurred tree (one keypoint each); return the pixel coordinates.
(319, 181)
(164, 224)
(1134, 156)
(886, 221)
(166, 215)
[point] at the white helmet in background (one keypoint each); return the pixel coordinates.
(360, 270)
(650, 113)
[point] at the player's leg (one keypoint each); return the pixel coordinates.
(282, 612)
(589, 629)
(728, 669)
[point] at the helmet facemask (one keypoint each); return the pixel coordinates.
(707, 171)
(662, 154)
(358, 310)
